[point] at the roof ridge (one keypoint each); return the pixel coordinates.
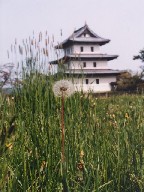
(77, 33)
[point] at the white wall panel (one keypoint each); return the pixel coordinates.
(89, 65)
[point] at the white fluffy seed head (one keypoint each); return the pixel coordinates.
(63, 87)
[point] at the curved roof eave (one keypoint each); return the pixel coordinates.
(79, 32)
(83, 57)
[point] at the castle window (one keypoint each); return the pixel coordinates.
(97, 81)
(94, 64)
(81, 49)
(68, 65)
(86, 35)
(92, 49)
(84, 64)
(86, 81)
(68, 51)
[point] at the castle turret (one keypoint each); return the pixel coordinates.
(85, 63)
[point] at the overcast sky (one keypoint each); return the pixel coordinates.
(121, 21)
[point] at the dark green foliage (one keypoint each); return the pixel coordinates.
(140, 56)
(130, 83)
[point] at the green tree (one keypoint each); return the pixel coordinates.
(141, 57)
(126, 81)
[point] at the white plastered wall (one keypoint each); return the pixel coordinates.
(89, 65)
(93, 80)
(86, 49)
(103, 86)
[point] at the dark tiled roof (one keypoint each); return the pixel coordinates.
(75, 37)
(90, 40)
(92, 71)
(92, 55)
(83, 56)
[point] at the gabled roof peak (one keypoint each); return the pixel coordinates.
(83, 30)
(85, 35)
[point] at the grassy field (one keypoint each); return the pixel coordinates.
(104, 141)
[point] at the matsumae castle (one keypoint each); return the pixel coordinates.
(85, 64)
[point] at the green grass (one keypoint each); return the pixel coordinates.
(109, 131)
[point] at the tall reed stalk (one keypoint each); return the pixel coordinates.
(109, 131)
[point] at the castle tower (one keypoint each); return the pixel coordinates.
(85, 64)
